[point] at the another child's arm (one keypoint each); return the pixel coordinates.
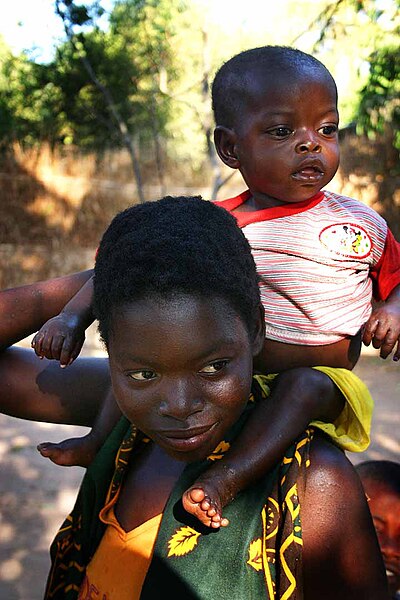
(383, 326)
(300, 396)
(62, 337)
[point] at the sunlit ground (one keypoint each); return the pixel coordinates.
(36, 495)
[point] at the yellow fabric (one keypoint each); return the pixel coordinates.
(119, 566)
(351, 430)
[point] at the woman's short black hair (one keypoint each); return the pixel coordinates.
(231, 85)
(171, 246)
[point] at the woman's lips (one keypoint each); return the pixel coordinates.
(185, 440)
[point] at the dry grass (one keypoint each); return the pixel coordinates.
(56, 204)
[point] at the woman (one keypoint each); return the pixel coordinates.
(179, 311)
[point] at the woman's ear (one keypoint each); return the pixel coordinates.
(225, 140)
(259, 331)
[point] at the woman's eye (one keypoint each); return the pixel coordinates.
(145, 375)
(214, 367)
(329, 129)
(280, 131)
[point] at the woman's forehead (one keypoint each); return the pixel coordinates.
(172, 333)
(156, 313)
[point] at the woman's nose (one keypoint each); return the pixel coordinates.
(180, 399)
(308, 145)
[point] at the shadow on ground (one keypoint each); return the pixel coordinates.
(383, 379)
(35, 496)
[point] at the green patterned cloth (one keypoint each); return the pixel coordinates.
(257, 556)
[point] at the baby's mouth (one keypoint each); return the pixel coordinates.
(308, 174)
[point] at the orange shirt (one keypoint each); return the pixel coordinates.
(119, 566)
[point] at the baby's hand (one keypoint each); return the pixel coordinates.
(60, 338)
(383, 329)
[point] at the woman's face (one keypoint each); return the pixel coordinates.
(181, 370)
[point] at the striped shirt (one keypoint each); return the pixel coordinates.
(319, 263)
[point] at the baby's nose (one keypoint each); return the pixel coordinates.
(308, 146)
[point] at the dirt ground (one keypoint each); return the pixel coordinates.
(36, 495)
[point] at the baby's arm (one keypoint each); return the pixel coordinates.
(40, 390)
(300, 396)
(383, 326)
(24, 309)
(62, 336)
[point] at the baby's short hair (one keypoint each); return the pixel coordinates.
(231, 82)
(183, 245)
(386, 472)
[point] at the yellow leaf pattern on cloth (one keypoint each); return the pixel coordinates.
(219, 451)
(272, 518)
(183, 541)
(255, 555)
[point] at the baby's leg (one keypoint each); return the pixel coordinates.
(81, 451)
(204, 501)
(299, 396)
(71, 452)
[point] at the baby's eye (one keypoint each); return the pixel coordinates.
(214, 367)
(280, 132)
(144, 375)
(329, 129)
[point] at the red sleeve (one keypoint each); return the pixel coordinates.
(385, 274)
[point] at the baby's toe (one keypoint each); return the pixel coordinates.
(196, 495)
(212, 511)
(206, 504)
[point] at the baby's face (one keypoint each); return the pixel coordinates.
(181, 371)
(384, 505)
(287, 138)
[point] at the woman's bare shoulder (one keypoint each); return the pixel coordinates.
(341, 552)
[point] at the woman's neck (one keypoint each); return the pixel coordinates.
(149, 481)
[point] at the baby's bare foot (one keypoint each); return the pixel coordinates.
(72, 452)
(200, 504)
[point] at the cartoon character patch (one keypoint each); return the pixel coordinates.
(346, 239)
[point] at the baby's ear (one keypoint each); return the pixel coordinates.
(259, 332)
(224, 140)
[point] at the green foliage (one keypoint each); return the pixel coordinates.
(350, 31)
(78, 14)
(125, 60)
(62, 103)
(154, 61)
(28, 101)
(379, 106)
